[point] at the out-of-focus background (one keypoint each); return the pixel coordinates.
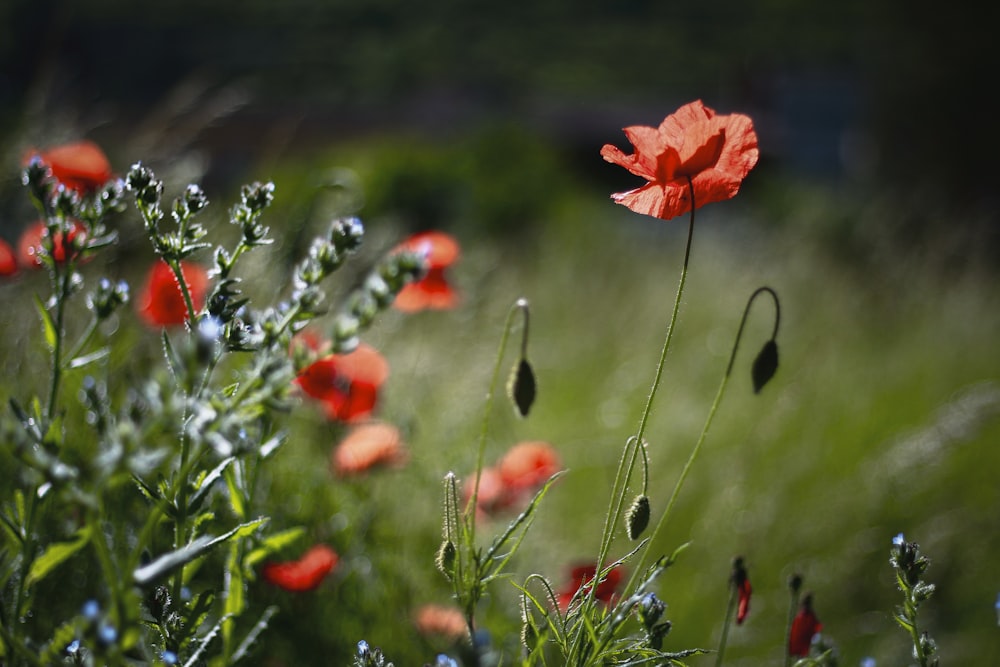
(873, 212)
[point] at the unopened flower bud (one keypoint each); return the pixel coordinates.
(765, 365)
(258, 196)
(521, 387)
(637, 517)
(346, 234)
(445, 559)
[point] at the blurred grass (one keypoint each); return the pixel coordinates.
(882, 417)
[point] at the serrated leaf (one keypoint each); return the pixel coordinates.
(55, 555)
(48, 326)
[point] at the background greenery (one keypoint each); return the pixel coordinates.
(486, 120)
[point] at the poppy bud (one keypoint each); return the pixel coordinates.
(637, 517)
(765, 365)
(445, 559)
(522, 387)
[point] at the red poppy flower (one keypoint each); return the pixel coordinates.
(368, 446)
(433, 291)
(445, 621)
(8, 265)
(161, 302)
(741, 581)
(715, 152)
(346, 384)
(581, 577)
(303, 574)
(519, 474)
(528, 465)
(805, 625)
(81, 166)
(29, 246)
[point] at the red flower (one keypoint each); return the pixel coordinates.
(433, 291)
(161, 302)
(303, 574)
(519, 474)
(81, 166)
(528, 465)
(8, 265)
(368, 446)
(30, 248)
(715, 152)
(346, 384)
(581, 577)
(434, 619)
(741, 581)
(805, 625)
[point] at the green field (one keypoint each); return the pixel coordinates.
(883, 418)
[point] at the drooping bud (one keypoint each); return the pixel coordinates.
(765, 365)
(637, 517)
(521, 388)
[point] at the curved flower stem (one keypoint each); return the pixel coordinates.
(708, 421)
(626, 464)
(522, 306)
(470, 596)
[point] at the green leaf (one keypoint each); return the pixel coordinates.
(236, 500)
(48, 326)
(55, 555)
(273, 544)
(235, 592)
(205, 484)
(172, 560)
(251, 638)
(80, 362)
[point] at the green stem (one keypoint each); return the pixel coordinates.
(85, 339)
(793, 607)
(730, 608)
(708, 422)
(626, 464)
(61, 289)
(519, 305)
(469, 523)
(175, 266)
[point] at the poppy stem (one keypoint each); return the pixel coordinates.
(793, 606)
(743, 321)
(626, 464)
(724, 639)
(711, 417)
(522, 306)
